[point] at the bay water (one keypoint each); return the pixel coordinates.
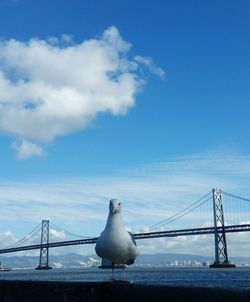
(194, 277)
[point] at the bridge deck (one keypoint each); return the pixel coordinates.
(137, 236)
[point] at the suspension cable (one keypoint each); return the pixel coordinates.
(191, 210)
(175, 216)
(28, 236)
(235, 196)
(57, 228)
(25, 239)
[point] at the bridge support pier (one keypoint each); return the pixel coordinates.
(221, 256)
(44, 250)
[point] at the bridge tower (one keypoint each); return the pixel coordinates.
(221, 256)
(44, 250)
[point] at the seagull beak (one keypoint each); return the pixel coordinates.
(115, 210)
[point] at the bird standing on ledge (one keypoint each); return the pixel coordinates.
(115, 242)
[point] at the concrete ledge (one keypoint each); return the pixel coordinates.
(40, 291)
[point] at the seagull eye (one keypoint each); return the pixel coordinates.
(119, 204)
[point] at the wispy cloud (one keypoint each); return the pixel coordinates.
(54, 87)
(149, 194)
(27, 149)
(147, 61)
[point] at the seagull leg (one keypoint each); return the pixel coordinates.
(113, 267)
(123, 271)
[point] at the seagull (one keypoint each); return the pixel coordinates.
(115, 242)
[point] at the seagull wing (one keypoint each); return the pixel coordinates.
(132, 238)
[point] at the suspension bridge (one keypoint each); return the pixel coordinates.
(223, 222)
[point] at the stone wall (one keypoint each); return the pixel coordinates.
(40, 291)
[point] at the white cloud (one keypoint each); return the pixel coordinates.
(27, 149)
(54, 87)
(55, 235)
(7, 238)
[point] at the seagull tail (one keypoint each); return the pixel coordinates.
(130, 261)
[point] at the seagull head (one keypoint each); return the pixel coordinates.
(114, 206)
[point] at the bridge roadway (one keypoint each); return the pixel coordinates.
(137, 236)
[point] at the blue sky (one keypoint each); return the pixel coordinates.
(150, 98)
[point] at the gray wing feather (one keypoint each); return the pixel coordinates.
(132, 238)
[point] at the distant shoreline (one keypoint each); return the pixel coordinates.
(167, 260)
